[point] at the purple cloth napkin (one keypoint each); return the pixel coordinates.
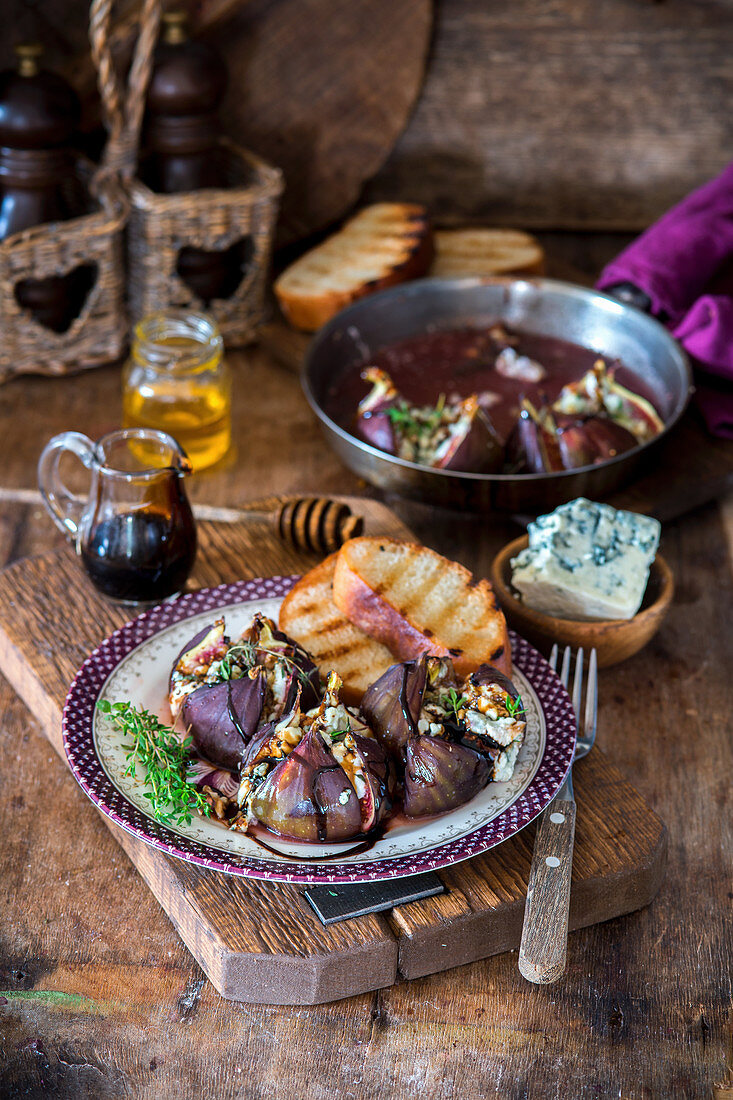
(684, 263)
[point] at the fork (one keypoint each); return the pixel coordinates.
(543, 950)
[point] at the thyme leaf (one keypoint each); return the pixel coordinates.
(455, 702)
(401, 417)
(157, 748)
(514, 706)
(245, 655)
(417, 422)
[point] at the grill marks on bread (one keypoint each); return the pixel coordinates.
(414, 600)
(309, 615)
(382, 245)
(379, 601)
(479, 251)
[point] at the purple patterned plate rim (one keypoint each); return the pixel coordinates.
(89, 771)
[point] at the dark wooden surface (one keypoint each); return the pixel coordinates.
(104, 1001)
(567, 114)
(259, 942)
(323, 89)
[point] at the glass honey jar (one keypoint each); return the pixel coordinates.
(177, 380)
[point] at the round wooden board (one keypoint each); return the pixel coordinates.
(323, 89)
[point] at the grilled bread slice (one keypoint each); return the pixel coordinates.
(479, 251)
(309, 615)
(415, 601)
(381, 245)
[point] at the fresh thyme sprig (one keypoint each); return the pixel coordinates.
(455, 702)
(245, 653)
(514, 706)
(244, 650)
(416, 421)
(155, 746)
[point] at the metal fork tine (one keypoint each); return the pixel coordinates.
(553, 658)
(591, 699)
(565, 674)
(578, 686)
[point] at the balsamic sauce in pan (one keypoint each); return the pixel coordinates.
(461, 362)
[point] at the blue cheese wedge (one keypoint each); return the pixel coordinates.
(586, 561)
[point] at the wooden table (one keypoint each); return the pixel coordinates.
(99, 996)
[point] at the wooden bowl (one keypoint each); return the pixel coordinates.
(614, 639)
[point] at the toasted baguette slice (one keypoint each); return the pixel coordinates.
(486, 252)
(383, 244)
(309, 615)
(415, 601)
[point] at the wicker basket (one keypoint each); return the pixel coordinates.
(212, 220)
(98, 333)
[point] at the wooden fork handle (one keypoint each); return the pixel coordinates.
(543, 950)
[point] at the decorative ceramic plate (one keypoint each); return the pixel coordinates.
(134, 664)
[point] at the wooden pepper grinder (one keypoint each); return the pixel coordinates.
(182, 138)
(39, 112)
(181, 123)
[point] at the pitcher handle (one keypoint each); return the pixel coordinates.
(65, 508)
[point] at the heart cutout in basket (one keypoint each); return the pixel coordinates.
(215, 274)
(56, 301)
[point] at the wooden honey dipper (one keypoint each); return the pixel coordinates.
(315, 525)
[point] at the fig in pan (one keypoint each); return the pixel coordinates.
(451, 435)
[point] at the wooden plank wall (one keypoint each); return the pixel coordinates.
(551, 114)
(568, 114)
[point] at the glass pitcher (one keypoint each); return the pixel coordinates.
(135, 532)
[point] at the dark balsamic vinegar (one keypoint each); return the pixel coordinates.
(140, 556)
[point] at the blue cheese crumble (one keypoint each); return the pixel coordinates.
(586, 561)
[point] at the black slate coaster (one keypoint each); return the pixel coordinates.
(354, 899)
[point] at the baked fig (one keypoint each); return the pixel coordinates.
(192, 664)
(319, 777)
(308, 796)
(584, 442)
(584, 397)
(631, 411)
(373, 421)
(286, 666)
(532, 446)
(451, 435)
(391, 705)
(441, 775)
(221, 718)
(450, 737)
(471, 444)
(598, 392)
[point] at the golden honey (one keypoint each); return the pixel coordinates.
(177, 380)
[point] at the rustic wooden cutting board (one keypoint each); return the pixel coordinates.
(259, 941)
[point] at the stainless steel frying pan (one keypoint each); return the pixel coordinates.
(536, 305)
